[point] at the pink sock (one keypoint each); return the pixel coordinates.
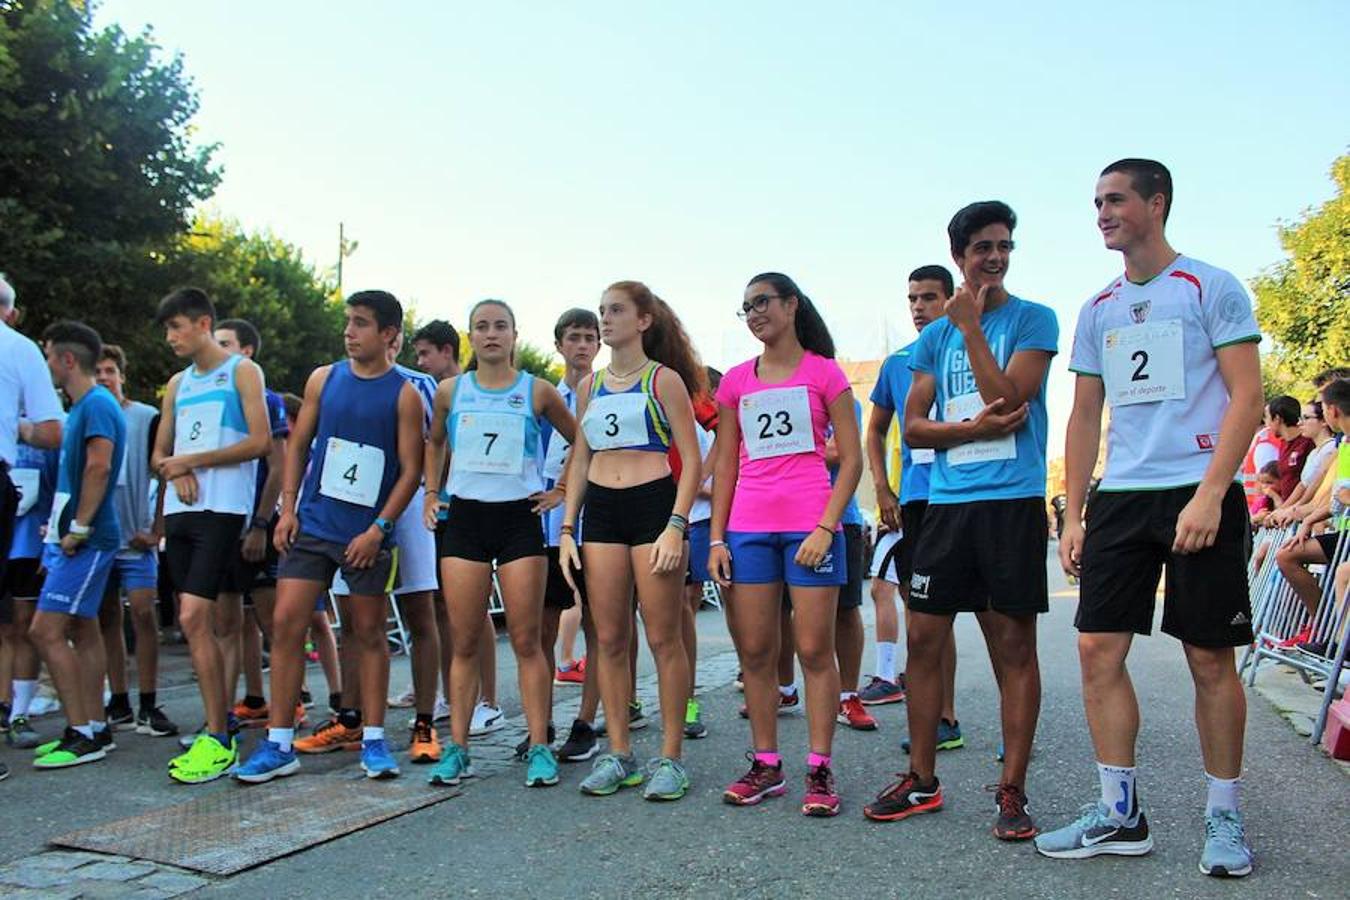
(769, 758)
(814, 760)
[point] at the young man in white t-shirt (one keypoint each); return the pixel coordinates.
(1171, 345)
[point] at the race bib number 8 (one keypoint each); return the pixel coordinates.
(615, 421)
(1144, 363)
(968, 406)
(777, 422)
(29, 482)
(196, 428)
(490, 443)
(59, 502)
(352, 472)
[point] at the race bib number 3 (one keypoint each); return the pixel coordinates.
(1144, 363)
(490, 443)
(196, 428)
(968, 406)
(59, 502)
(352, 472)
(777, 422)
(29, 482)
(615, 421)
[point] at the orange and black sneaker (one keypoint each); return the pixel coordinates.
(425, 746)
(250, 716)
(1013, 823)
(331, 735)
(905, 798)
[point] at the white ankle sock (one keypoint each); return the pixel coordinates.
(1118, 792)
(787, 690)
(1223, 793)
(282, 737)
(372, 733)
(886, 660)
(24, 692)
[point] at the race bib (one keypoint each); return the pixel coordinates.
(555, 456)
(490, 443)
(922, 456)
(615, 421)
(968, 406)
(1144, 363)
(28, 482)
(197, 427)
(352, 472)
(777, 422)
(59, 502)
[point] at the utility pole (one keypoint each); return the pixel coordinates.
(342, 251)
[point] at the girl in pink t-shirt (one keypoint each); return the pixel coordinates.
(776, 519)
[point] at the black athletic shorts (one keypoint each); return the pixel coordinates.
(1327, 541)
(557, 595)
(986, 554)
(632, 516)
(482, 532)
(855, 549)
(9, 507)
(1128, 545)
(22, 580)
(200, 549)
(911, 520)
(245, 575)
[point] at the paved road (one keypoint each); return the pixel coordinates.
(500, 839)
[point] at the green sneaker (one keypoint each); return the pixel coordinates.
(453, 767)
(543, 767)
(666, 780)
(693, 721)
(206, 761)
(48, 747)
(611, 772)
(74, 749)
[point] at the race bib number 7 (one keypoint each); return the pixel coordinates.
(352, 472)
(777, 422)
(490, 443)
(1144, 363)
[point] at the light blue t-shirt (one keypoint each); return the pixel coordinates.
(852, 514)
(96, 415)
(1007, 468)
(891, 389)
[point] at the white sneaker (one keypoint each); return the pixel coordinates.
(403, 700)
(486, 719)
(441, 711)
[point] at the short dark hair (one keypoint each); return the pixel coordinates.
(388, 311)
(1326, 376)
(1286, 409)
(78, 339)
(440, 334)
(970, 219)
(292, 404)
(244, 333)
(935, 273)
(118, 357)
(576, 317)
(1148, 178)
(189, 302)
(1337, 393)
(1271, 469)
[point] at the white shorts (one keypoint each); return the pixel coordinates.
(416, 553)
(885, 544)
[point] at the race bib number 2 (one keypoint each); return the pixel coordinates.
(352, 472)
(777, 422)
(1144, 363)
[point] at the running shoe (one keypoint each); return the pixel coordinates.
(581, 743)
(523, 748)
(104, 738)
(403, 700)
(1226, 853)
(740, 680)
(47, 746)
(331, 735)
(903, 799)
(948, 737)
(542, 770)
(424, 747)
(571, 675)
(22, 734)
(763, 780)
(855, 716)
(693, 721)
(74, 749)
(879, 691)
(611, 772)
(1304, 634)
(376, 760)
(1013, 822)
(637, 719)
(453, 768)
(154, 723)
(250, 716)
(306, 698)
(486, 719)
(788, 704)
(120, 717)
(441, 711)
(267, 761)
(820, 800)
(666, 779)
(206, 761)
(1095, 833)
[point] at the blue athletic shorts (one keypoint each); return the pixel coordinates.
(135, 570)
(698, 552)
(763, 557)
(75, 584)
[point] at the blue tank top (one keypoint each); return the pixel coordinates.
(630, 419)
(494, 441)
(355, 454)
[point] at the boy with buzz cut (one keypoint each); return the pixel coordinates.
(1171, 346)
(364, 422)
(213, 429)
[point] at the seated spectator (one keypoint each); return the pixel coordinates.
(1269, 480)
(1285, 412)
(1320, 461)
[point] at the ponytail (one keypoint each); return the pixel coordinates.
(665, 340)
(812, 332)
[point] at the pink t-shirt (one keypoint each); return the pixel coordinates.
(783, 484)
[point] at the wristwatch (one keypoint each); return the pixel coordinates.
(259, 523)
(384, 525)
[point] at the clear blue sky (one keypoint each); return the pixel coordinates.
(539, 151)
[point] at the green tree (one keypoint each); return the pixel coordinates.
(538, 362)
(1303, 302)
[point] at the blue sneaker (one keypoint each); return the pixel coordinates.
(948, 737)
(1226, 853)
(377, 761)
(267, 761)
(543, 767)
(667, 780)
(1095, 833)
(453, 767)
(611, 772)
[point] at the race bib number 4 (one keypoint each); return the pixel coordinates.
(352, 472)
(29, 482)
(490, 443)
(968, 406)
(615, 421)
(196, 428)
(1144, 363)
(777, 422)
(59, 502)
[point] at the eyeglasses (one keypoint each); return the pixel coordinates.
(758, 304)
(1313, 418)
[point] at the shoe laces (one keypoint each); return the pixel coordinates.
(907, 781)
(820, 780)
(853, 706)
(1010, 799)
(663, 762)
(422, 733)
(1224, 826)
